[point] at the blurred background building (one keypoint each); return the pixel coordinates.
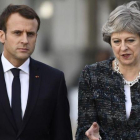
(70, 37)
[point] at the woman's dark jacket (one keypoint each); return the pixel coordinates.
(102, 99)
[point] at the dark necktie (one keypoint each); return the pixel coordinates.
(16, 97)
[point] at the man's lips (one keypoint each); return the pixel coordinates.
(23, 49)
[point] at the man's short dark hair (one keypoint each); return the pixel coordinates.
(24, 10)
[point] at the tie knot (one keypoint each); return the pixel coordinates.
(15, 72)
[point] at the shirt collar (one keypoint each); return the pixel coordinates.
(7, 65)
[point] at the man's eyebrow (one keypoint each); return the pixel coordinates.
(22, 31)
(17, 31)
(31, 32)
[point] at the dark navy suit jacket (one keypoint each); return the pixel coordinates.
(47, 112)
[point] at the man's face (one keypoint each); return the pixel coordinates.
(19, 39)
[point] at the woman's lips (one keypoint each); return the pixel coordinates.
(125, 56)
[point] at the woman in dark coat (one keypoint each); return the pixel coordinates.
(109, 91)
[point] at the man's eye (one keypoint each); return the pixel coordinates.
(17, 33)
(30, 34)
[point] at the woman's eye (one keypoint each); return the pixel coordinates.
(116, 41)
(131, 40)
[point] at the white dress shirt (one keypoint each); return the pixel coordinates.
(128, 103)
(24, 80)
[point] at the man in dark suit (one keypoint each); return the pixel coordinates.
(33, 95)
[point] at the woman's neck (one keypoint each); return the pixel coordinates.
(129, 72)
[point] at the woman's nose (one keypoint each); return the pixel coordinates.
(124, 46)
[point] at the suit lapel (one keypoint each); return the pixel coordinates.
(4, 97)
(34, 84)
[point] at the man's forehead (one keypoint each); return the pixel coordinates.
(17, 22)
(21, 29)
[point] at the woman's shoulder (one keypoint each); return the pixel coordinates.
(96, 70)
(102, 65)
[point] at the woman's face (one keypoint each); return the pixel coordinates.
(126, 47)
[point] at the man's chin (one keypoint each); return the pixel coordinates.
(22, 58)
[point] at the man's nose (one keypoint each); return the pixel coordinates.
(24, 39)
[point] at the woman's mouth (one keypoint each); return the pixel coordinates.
(126, 56)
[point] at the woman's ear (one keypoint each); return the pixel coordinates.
(2, 36)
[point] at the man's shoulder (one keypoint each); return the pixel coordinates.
(44, 67)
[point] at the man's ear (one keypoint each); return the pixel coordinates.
(2, 36)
